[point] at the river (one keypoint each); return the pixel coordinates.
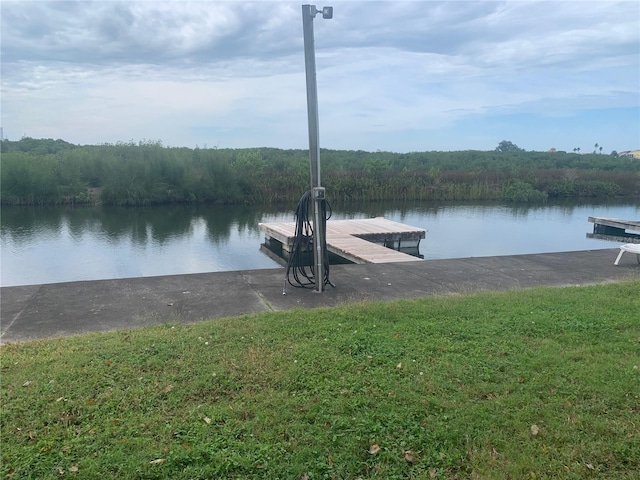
(51, 245)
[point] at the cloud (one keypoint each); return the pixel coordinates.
(113, 32)
(197, 72)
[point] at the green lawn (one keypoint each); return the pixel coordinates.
(533, 384)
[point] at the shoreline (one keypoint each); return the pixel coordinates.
(34, 312)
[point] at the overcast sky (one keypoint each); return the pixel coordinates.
(399, 76)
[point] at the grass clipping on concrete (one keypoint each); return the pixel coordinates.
(541, 383)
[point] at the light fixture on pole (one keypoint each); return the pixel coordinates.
(317, 191)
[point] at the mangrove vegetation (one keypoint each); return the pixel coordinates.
(53, 172)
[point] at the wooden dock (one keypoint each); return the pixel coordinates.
(604, 222)
(372, 240)
(615, 229)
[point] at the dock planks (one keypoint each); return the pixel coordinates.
(615, 229)
(615, 223)
(353, 239)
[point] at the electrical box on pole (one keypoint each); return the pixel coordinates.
(318, 193)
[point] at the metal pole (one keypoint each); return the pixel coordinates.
(308, 14)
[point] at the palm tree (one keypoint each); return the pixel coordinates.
(600, 149)
(578, 149)
(595, 147)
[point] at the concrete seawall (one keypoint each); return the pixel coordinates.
(44, 311)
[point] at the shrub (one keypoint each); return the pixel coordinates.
(520, 191)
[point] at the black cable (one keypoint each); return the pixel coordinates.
(302, 248)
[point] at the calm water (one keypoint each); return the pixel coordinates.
(49, 245)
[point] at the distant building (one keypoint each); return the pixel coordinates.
(551, 150)
(630, 153)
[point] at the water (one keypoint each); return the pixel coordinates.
(50, 245)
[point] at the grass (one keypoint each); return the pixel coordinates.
(541, 383)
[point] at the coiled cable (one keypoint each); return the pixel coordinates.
(299, 274)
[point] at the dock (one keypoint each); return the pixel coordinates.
(615, 229)
(360, 241)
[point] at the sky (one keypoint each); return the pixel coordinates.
(399, 76)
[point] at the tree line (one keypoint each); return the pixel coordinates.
(48, 172)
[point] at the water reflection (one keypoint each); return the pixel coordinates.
(45, 245)
(21, 224)
(137, 225)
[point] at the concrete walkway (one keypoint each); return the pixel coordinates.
(60, 309)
